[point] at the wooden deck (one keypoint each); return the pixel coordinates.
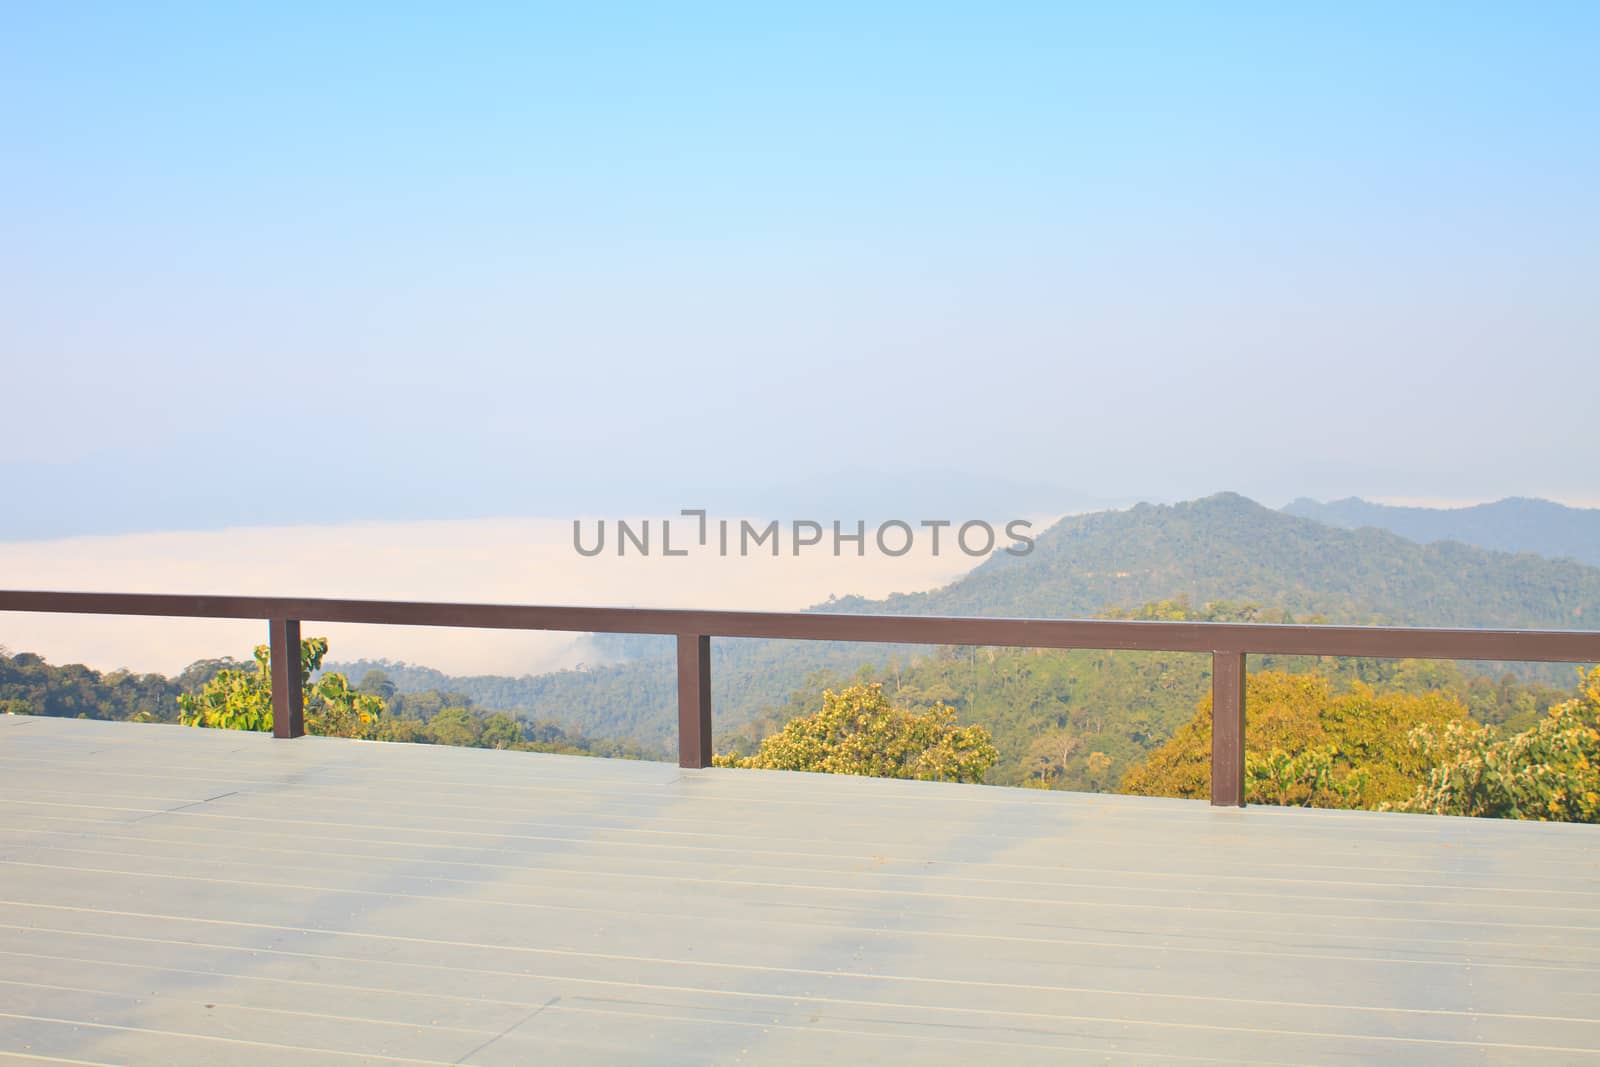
(177, 896)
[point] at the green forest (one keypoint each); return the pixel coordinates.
(1081, 719)
(31, 686)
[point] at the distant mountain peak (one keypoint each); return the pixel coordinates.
(1515, 524)
(1227, 500)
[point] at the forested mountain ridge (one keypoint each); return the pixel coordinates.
(1516, 524)
(1229, 548)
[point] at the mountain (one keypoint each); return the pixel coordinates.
(1516, 524)
(1223, 548)
(1226, 547)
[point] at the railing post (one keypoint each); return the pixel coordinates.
(694, 700)
(288, 701)
(1227, 729)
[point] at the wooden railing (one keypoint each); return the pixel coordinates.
(1227, 643)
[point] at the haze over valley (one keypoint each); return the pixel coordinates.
(525, 561)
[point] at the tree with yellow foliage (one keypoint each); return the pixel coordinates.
(1307, 745)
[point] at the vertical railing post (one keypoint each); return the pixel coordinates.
(1227, 729)
(694, 700)
(288, 701)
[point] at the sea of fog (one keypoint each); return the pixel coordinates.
(528, 561)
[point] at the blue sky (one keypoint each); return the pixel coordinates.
(286, 263)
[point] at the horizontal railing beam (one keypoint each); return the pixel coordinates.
(1387, 642)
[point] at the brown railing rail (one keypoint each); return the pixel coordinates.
(1227, 643)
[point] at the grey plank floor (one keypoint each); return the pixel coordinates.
(174, 896)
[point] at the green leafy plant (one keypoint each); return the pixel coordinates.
(1548, 772)
(1314, 778)
(859, 732)
(241, 698)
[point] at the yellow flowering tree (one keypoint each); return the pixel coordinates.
(1306, 745)
(1550, 772)
(859, 732)
(242, 699)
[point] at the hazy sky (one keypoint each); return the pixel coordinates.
(283, 263)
